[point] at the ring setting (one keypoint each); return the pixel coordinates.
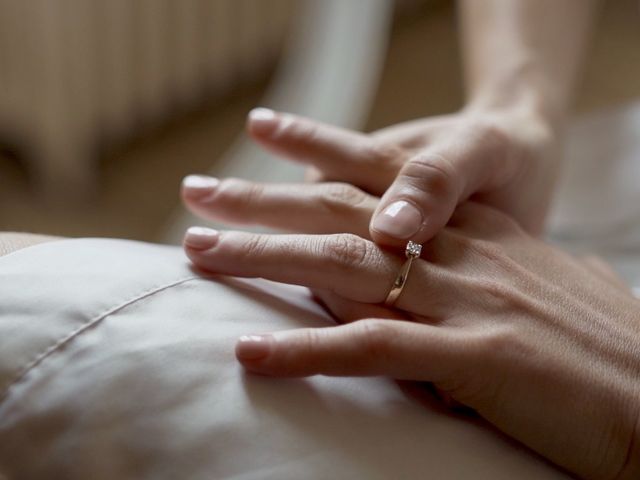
(411, 251)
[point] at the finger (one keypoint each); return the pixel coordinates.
(347, 311)
(427, 190)
(412, 134)
(315, 208)
(419, 203)
(345, 264)
(399, 349)
(313, 175)
(338, 153)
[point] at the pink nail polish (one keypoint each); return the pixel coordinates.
(199, 186)
(200, 181)
(254, 347)
(201, 238)
(399, 220)
(262, 121)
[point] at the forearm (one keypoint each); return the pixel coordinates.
(524, 53)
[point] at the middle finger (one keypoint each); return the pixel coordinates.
(305, 208)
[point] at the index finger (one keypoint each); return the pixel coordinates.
(338, 153)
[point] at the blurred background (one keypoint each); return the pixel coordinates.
(106, 104)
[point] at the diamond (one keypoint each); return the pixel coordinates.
(413, 249)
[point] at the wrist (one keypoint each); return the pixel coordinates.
(522, 99)
(534, 126)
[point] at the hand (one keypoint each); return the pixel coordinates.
(544, 346)
(423, 169)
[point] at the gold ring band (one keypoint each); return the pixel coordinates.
(412, 251)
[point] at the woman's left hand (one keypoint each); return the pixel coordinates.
(544, 346)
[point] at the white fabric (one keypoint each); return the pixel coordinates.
(116, 362)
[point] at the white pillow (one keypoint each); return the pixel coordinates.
(116, 362)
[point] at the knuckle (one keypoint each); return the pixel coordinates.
(342, 196)
(492, 134)
(305, 355)
(499, 293)
(491, 251)
(298, 130)
(348, 251)
(254, 246)
(227, 190)
(311, 340)
(479, 376)
(489, 140)
(383, 153)
(488, 133)
(253, 193)
(499, 342)
(504, 147)
(434, 172)
(239, 194)
(314, 175)
(495, 296)
(374, 338)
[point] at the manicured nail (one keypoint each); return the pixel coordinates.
(254, 347)
(201, 238)
(199, 186)
(262, 120)
(399, 220)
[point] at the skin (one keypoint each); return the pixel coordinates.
(521, 59)
(544, 346)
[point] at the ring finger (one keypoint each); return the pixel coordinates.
(347, 311)
(347, 265)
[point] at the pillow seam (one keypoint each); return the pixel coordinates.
(22, 372)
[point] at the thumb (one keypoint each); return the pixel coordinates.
(420, 201)
(399, 349)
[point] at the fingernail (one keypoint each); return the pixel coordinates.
(199, 186)
(399, 220)
(262, 120)
(201, 238)
(254, 347)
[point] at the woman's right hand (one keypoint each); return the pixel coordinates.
(423, 169)
(542, 345)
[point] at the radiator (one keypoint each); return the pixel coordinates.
(78, 73)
